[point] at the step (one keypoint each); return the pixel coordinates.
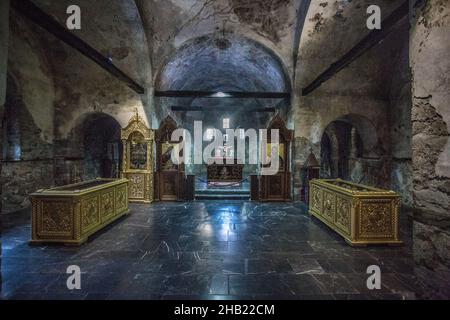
(228, 192)
(221, 196)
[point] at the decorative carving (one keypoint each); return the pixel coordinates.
(56, 217)
(225, 172)
(376, 219)
(89, 213)
(71, 213)
(137, 185)
(122, 198)
(316, 196)
(136, 124)
(343, 213)
(107, 205)
(138, 159)
(329, 205)
(361, 214)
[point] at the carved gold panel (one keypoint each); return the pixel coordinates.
(329, 205)
(90, 213)
(343, 214)
(361, 214)
(122, 198)
(107, 205)
(316, 198)
(72, 213)
(376, 219)
(137, 185)
(55, 218)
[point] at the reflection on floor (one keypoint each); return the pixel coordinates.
(221, 191)
(205, 250)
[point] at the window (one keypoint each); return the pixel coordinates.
(209, 134)
(226, 123)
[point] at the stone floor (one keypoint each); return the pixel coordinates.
(205, 250)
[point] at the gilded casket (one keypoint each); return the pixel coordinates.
(361, 214)
(70, 214)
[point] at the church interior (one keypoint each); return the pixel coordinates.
(93, 92)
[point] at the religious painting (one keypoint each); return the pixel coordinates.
(281, 154)
(138, 152)
(166, 156)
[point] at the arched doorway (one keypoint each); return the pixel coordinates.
(230, 64)
(341, 144)
(102, 147)
(351, 150)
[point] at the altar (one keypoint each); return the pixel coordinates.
(225, 170)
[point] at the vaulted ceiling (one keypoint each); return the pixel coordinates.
(237, 45)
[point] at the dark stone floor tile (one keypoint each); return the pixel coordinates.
(336, 265)
(195, 284)
(333, 283)
(305, 265)
(205, 250)
(302, 284)
(258, 284)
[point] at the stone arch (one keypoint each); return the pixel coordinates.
(350, 149)
(97, 136)
(241, 64)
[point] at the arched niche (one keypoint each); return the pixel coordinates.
(102, 147)
(351, 150)
(138, 142)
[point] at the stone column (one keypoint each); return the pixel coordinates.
(4, 35)
(430, 65)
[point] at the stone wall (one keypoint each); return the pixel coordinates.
(358, 94)
(4, 42)
(30, 97)
(430, 64)
(21, 178)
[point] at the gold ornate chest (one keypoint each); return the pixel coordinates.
(361, 214)
(72, 213)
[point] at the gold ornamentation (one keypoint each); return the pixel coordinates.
(56, 217)
(107, 205)
(316, 198)
(140, 176)
(90, 215)
(361, 214)
(343, 214)
(329, 205)
(376, 219)
(122, 198)
(137, 187)
(70, 214)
